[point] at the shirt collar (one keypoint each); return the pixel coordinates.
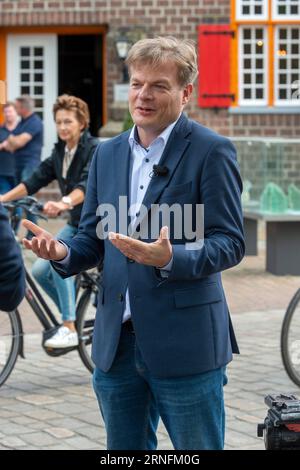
(72, 151)
(164, 136)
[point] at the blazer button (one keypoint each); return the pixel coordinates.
(130, 260)
(120, 297)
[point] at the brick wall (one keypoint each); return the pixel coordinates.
(153, 17)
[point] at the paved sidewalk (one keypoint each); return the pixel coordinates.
(48, 403)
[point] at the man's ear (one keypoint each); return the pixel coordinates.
(188, 90)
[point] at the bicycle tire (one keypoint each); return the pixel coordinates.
(285, 330)
(81, 320)
(12, 357)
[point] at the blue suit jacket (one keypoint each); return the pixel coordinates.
(12, 276)
(182, 324)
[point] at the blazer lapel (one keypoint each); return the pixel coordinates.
(121, 157)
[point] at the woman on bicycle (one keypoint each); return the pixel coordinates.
(68, 164)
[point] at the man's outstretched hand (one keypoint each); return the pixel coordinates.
(158, 253)
(43, 244)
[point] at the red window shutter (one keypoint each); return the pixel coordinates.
(214, 66)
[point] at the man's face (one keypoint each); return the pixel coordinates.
(10, 114)
(155, 97)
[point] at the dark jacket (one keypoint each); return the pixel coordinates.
(182, 323)
(12, 276)
(51, 169)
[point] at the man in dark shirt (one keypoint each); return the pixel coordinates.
(27, 141)
(7, 159)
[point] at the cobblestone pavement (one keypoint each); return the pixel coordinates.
(48, 403)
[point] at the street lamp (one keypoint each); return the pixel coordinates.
(123, 45)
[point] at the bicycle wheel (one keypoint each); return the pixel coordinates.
(86, 313)
(10, 342)
(290, 339)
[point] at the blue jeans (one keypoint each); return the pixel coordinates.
(61, 291)
(131, 401)
(22, 174)
(6, 183)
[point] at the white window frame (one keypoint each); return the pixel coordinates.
(253, 102)
(277, 101)
(277, 16)
(263, 16)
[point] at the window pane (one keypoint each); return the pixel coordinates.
(259, 49)
(38, 51)
(25, 77)
(38, 77)
(25, 64)
(282, 33)
(38, 90)
(247, 48)
(247, 33)
(259, 33)
(282, 79)
(282, 94)
(38, 64)
(25, 90)
(247, 64)
(282, 64)
(25, 51)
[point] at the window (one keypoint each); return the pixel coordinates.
(253, 59)
(286, 9)
(287, 65)
(31, 75)
(251, 9)
(268, 48)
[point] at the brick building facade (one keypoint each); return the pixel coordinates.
(147, 17)
(260, 43)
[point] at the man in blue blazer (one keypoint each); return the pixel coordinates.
(163, 334)
(12, 277)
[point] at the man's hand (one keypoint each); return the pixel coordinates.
(157, 254)
(53, 209)
(43, 244)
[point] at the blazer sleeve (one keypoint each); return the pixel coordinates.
(220, 190)
(86, 249)
(12, 275)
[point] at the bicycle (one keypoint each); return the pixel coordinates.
(11, 328)
(290, 339)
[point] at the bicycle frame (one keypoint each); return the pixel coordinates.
(38, 304)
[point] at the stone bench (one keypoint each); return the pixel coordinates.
(282, 239)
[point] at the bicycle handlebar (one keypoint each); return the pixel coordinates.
(30, 204)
